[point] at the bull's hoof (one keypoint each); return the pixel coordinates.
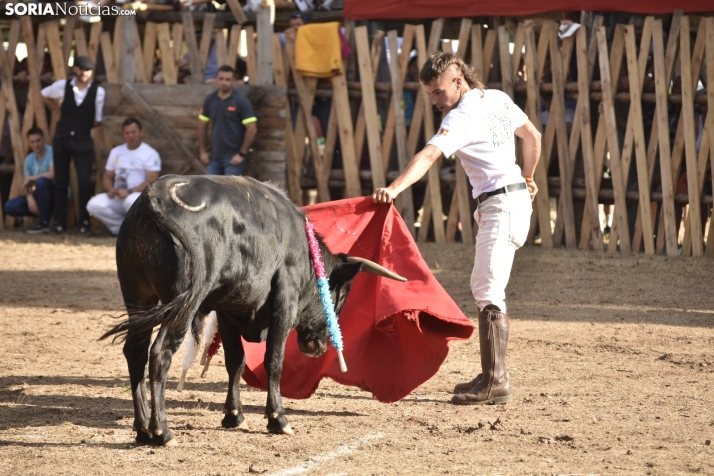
(163, 438)
(143, 438)
(234, 421)
(279, 426)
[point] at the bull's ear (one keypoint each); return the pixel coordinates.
(344, 272)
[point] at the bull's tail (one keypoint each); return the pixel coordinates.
(179, 312)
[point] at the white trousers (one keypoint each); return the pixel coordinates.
(503, 223)
(111, 211)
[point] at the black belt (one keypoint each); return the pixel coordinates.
(508, 188)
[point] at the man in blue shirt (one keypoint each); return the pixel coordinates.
(233, 127)
(38, 189)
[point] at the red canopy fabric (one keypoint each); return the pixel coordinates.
(399, 9)
(396, 335)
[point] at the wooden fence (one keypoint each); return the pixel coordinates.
(528, 61)
(517, 63)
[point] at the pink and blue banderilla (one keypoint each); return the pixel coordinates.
(323, 287)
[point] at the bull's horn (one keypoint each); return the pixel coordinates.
(172, 192)
(372, 267)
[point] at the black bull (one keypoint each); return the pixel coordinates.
(229, 244)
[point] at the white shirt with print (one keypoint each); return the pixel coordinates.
(479, 131)
(130, 166)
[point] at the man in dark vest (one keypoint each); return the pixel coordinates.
(82, 103)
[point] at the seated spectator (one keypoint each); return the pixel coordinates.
(38, 189)
(297, 20)
(129, 169)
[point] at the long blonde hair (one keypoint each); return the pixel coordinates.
(439, 62)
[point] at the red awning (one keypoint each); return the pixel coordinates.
(401, 9)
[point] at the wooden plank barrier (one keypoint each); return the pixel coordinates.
(527, 60)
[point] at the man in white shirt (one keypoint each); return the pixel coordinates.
(478, 129)
(130, 168)
(82, 103)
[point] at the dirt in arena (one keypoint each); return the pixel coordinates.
(611, 360)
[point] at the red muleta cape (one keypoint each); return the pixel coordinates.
(396, 335)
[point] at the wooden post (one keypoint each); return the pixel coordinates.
(67, 34)
(140, 75)
(558, 116)
(697, 59)
(292, 169)
(583, 118)
(488, 48)
(613, 146)
(360, 124)
(80, 41)
(265, 17)
(350, 161)
(542, 200)
(600, 144)
(434, 183)
(34, 65)
(251, 59)
(400, 130)
(108, 56)
(222, 50)
(390, 127)
(369, 102)
(150, 48)
(505, 57)
(15, 132)
(13, 38)
(197, 68)
(95, 33)
(237, 11)
(690, 139)
(168, 67)
(477, 62)
(177, 40)
(710, 101)
(234, 45)
(209, 19)
(669, 61)
(127, 50)
(661, 89)
(305, 99)
(635, 119)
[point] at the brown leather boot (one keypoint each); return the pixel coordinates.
(494, 386)
(466, 386)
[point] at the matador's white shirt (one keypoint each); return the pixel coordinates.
(479, 131)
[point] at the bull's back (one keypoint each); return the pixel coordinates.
(237, 231)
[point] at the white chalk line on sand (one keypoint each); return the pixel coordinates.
(320, 460)
(614, 307)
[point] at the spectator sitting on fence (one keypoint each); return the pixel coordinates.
(130, 167)
(233, 127)
(38, 189)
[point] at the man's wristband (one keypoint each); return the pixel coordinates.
(529, 179)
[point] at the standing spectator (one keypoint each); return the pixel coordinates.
(82, 103)
(39, 174)
(130, 168)
(233, 127)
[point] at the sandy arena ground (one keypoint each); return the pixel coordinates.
(611, 359)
